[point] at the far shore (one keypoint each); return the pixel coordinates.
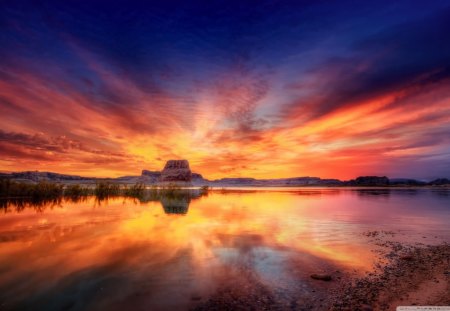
(220, 185)
(185, 178)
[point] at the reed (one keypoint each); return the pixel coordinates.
(77, 191)
(204, 189)
(106, 189)
(135, 191)
(40, 194)
(41, 190)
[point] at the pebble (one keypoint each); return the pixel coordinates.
(322, 277)
(366, 308)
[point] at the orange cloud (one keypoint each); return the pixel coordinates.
(113, 127)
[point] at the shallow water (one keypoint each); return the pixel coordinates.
(173, 253)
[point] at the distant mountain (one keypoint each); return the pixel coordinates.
(406, 182)
(295, 181)
(368, 181)
(440, 182)
(150, 177)
(43, 176)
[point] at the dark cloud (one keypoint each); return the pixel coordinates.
(410, 55)
(14, 152)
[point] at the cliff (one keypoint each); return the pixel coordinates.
(176, 171)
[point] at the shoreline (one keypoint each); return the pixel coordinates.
(413, 275)
(177, 172)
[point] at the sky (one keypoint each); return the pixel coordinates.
(264, 89)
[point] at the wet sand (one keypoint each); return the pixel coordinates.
(405, 275)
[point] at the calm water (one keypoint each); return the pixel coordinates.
(173, 253)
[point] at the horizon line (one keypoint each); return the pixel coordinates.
(231, 177)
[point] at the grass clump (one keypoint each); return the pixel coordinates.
(76, 191)
(105, 189)
(41, 190)
(135, 191)
(204, 189)
(42, 194)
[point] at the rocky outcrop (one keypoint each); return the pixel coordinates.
(440, 182)
(369, 181)
(197, 176)
(151, 173)
(176, 171)
(235, 181)
(406, 182)
(302, 181)
(36, 176)
(150, 177)
(279, 182)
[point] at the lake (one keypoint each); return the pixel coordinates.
(174, 253)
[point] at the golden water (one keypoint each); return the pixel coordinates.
(124, 254)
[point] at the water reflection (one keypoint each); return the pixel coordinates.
(373, 192)
(124, 253)
(175, 205)
(17, 205)
(173, 202)
(178, 201)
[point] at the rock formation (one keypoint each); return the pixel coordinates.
(440, 182)
(36, 176)
(196, 176)
(406, 182)
(278, 182)
(150, 177)
(176, 171)
(369, 181)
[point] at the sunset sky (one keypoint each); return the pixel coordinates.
(265, 89)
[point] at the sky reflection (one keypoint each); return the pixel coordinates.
(125, 253)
